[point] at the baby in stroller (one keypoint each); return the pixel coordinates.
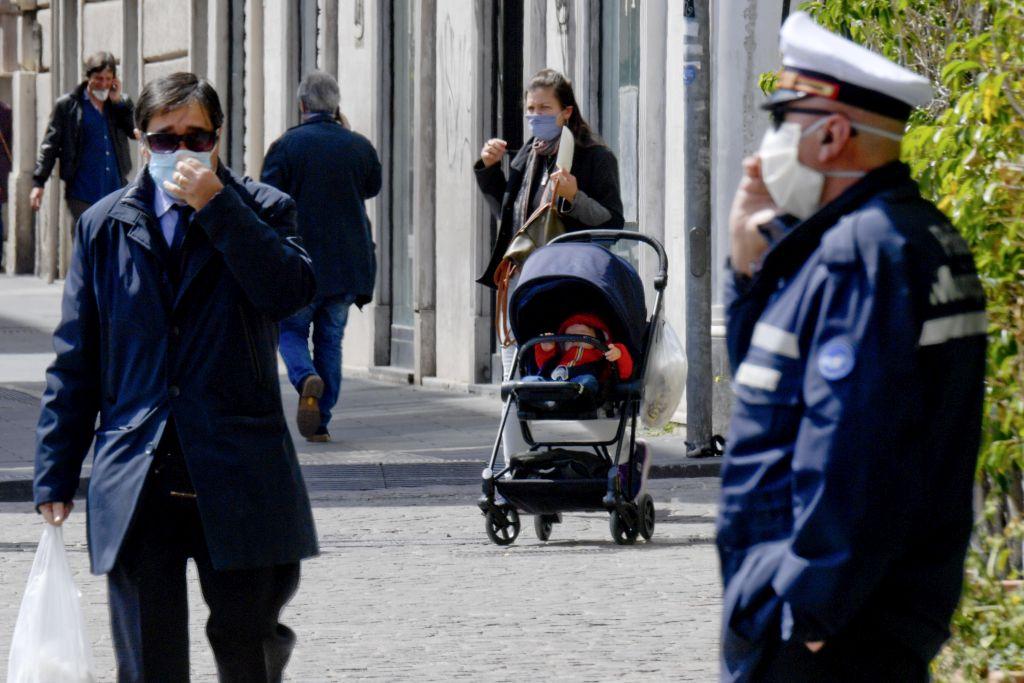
(578, 361)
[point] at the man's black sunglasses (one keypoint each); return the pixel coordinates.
(196, 141)
(778, 115)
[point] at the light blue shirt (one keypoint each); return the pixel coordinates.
(162, 205)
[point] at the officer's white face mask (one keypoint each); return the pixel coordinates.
(795, 188)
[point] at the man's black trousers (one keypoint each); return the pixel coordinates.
(845, 659)
(148, 601)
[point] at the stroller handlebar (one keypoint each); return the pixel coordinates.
(560, 338)
(615, 235)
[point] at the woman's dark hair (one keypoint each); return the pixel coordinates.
(100, 61)
(177, 90)
(562, 87)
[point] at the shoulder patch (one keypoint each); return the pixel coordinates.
(836, 359)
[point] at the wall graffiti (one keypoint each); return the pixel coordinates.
(456, 100)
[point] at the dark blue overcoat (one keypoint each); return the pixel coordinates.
(133, 351)
(330, 172)
(858, 359)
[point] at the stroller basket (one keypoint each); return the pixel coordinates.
(557, 480)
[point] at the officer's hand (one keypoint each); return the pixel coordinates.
(493, 151)
(35, 198)
(752, 207)
(194, 183)
(815, 646)
(56, 513)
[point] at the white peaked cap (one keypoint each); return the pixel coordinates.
(857, 76)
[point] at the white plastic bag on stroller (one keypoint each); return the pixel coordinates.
(49, 643)
(665, 377)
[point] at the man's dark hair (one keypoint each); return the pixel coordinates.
(100, 61)
(177, 90)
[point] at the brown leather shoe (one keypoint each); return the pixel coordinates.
(321, 436)
(308, 415)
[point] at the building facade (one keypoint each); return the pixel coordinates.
(427, 81)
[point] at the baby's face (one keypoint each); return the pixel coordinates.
(580, 328)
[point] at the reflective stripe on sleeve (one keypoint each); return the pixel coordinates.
(758, 376)
(775, 340)
(941, 330)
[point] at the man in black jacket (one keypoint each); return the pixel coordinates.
(167, 336)
(88, 133)
(330, 172)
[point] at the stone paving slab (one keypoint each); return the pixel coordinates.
(408, 588)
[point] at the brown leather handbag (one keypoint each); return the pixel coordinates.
(543, 225)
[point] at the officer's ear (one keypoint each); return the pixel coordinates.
(834, 135)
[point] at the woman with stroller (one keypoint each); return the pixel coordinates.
(586, 195)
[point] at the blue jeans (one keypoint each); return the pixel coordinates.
(328, 318)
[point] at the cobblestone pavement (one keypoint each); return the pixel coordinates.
(408, 588)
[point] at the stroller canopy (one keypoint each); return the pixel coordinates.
(562, 279)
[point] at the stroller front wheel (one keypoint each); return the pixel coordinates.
(624, 526)
(502, 525)
(543, 524)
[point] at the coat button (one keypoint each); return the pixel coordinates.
(173, 391)
(175, 331)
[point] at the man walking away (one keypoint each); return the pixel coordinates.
(856, 335)
(88, 133)
(171, 303)
(330, 172)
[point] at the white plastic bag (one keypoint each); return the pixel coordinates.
(49, 643)
(665, 377)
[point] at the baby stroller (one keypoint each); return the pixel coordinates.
(605, 467)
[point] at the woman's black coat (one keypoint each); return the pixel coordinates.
(597, 175)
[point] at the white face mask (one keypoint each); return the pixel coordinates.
(795, 188)
(101, 95)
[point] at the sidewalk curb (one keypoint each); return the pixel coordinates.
(373, 476)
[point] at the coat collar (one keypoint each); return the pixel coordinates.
(318, 117)
(797, 245)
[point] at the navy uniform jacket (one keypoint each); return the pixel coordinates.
(330, 172)
(858, 359)
(134, 351)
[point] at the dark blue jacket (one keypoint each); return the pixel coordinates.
(330, 172)
(858, 358)
(134, 351)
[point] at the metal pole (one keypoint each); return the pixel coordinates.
(697, 222)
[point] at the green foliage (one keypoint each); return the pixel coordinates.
(967, 152)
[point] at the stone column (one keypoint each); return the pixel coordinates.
(328, 37)
(19, 217)
(424, 184)
(254, 143)
(653, 22)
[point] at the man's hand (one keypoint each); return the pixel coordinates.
(115, 90)
(752, 207)
(566, 184)
(35, 198)
(194, 183)
(493, 151)
(815, 646)
(56, 513)
(613, 353)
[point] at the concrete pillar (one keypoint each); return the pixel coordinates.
(327, 41)
(67, 65)
(424, 184)
(199, 20)
(653, 22)
(534, 37)
(19, 218)
(254, 141)
(585, 71)
(218, 47)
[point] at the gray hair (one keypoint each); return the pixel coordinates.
(319, 92)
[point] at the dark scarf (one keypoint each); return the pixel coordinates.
(541, 151)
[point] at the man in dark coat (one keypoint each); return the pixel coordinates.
(330, 172)
(168, 334)
(88, 134)
(856, 336)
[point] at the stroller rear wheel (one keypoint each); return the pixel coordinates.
(624, 526)
(502, 525)
(645, 508)
(542, 525)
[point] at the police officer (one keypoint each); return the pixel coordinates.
(856, 336)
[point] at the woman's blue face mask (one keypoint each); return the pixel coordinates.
(544, 126)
